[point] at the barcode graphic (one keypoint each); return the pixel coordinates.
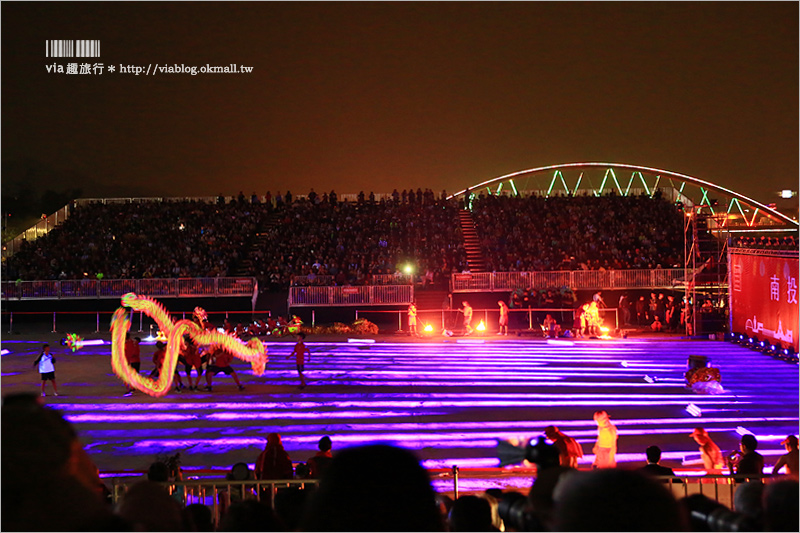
(72, 48)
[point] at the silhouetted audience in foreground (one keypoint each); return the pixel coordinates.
(250, 515)
(147, 506)
(652, 467)
(50, 484)
(616, 500)
(471, 513)
(48, 481)
(374, 488)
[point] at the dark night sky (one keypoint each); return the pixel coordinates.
(375, 96)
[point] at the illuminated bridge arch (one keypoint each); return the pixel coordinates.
(731, 209)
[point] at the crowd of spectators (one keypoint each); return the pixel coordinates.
(51, 484)
(766, 243)
(315, 235)
(535, 233)
(353, 241)
(140, 240)
(322, 237)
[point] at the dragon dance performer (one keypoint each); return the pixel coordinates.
(220, 361)
(193, 359)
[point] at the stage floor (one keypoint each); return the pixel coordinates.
(448, 399)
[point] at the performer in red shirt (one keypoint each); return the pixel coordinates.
(191, 355)
(220, 361)
(300, 350)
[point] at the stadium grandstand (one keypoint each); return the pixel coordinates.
(615, 285)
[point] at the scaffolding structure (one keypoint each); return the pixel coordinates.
(706, 240)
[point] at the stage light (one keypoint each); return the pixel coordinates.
(559, 342)
(787, 193)
(481, 327)
(428, 328)
(408, 269)
(5, 352)
(361, 341)
(94, 342)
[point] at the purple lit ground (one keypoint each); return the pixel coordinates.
(447, 400)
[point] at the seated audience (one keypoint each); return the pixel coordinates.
(274, 462)
(321, 461)
(789, 459)
(747, 460)
(652, 467)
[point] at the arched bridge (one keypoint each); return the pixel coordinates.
(730, 209)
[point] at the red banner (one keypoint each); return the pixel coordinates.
(763, 297)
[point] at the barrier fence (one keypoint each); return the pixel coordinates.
(384, 289)
(451, 319)
(374, 279)
(218, 494)
(351, 295)
(115, 288)
(576, 279)
(440, 320)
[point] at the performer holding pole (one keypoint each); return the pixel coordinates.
(467, 310)
(412, 320)
(503, 318)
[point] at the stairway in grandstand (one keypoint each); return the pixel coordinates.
(472, 244)
(430, 299)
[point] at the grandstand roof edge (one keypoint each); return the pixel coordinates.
(683, 177)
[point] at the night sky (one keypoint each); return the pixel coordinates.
(377, 96)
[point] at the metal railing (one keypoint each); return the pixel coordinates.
(576, 279)
(41, 228)
(351, 295)
(440, 320)
(218, 494)
(375, 279)
(114, 288)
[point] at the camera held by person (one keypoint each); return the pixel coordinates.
(707, 515)
(515, 509)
